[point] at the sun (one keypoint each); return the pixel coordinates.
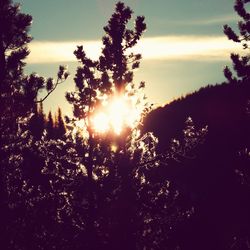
(100, 122)
(115, 115)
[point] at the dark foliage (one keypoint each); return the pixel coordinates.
(37, 123)
(110, 195)
(215, 182)
(18, 157)
(211, 181)
(60, 126)
(241, 64)
(50, 126)
(131, 204)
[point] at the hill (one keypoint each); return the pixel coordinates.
(215, 183)
(222, 107)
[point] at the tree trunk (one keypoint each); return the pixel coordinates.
(124, 237)
(90, 230)
(2, 66)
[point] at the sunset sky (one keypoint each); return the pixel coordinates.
(183, 48)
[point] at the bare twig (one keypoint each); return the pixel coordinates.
(45, 97)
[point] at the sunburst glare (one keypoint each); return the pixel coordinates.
(100, 122)
(116, 114)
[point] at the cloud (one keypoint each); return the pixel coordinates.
(216, 20)
(208, 21)
(55, 52)
(187, 48)
(152, 48)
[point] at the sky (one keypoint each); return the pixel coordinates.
(183, 48)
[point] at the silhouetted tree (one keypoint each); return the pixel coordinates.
(14, 37)
(13, 40)
(109, 75)
(37, 122)
(122, 184)
(60, 126)
(18, 98)
(50, 126)
(241, 64)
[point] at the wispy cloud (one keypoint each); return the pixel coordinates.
(214, 20)
(154, 48)
(53, 52)
(223, 19)
(217, 20)
(187, 48)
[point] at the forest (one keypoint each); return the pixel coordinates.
(175, 177)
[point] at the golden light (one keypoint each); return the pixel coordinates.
(114, 147)
(100, 122)
(115, 115)
(118, 113)
(80, 124)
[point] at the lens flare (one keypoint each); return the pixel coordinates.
(100, 122)
(115, 115)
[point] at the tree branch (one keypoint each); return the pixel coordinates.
(45, 97)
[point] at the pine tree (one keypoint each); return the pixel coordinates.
(60, 126)
(122, 186)
(110, 75)
(13, 40)
(18, 102)
(241, 64)
(37, 122)
(18, 92)
(50, 126)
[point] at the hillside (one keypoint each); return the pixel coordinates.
(216, 182)
(222, 107)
